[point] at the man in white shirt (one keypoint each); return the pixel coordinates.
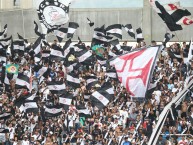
(25, 141)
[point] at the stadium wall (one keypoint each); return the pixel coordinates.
(21, 21)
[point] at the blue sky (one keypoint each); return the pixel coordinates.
(120, 3)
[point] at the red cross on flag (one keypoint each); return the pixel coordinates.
(135, 68)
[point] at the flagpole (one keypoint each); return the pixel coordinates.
(30, 80)
(162, 117)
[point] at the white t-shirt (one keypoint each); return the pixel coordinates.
(25, 142)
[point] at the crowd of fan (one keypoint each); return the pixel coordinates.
(125, 121)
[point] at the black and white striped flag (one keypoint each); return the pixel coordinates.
(57, 53)
(66, 99)
(101, 60)
(37, 46)
(31, 106)
(18, 46)
(101, 97)
(36, 30)
(45, 54)
(85, 57)
(42, 71)
(5, 115)
(22, 81)
(21, 38)
(53, 111)
(115, 30)
(72, 27)
(73, 80)
(60, 33)
(111, 72)
(3, 55)
(5, 42)
(115, 43)
(91, 81)
(139, 35)
(99, 37)
(3, 34)
(56, 87)
(129, 30)
(83, 111)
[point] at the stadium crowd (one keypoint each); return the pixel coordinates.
(124, 121)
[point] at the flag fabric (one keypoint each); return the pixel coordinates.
(53, 111)
(42, 71)
(18, 46)
(60, 33)
(116, 44)
(101, 97)
(37, 46)
(67, 44)
(53, 14)
(83, 111)
(22, 81)
(111, 54)
(79, 40)
(85, 57)
(45, 54)
(115, 30)
(3, 34)
(56, 87)
(5, 42)
(139, 35)
(175, 16)
(162, 117)
(57, 53)
(99, 37)
(190, 55)
(111, 73)
(72, 29)
(90, 22)
(167, 38)
(21, 38)
(135, 68)
(36, 30)
(22, 98)
(3, 55)
(73, 80)
(91, 81)
(38, 58)
(126, 48)
(12, 68)
(4, 116)
(30, 106)
(129, 30)
(101, 60)
(66, 99)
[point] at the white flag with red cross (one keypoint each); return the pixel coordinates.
(135, 68)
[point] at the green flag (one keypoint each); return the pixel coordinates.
(12, 68)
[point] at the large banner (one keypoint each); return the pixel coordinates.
(53, 13)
